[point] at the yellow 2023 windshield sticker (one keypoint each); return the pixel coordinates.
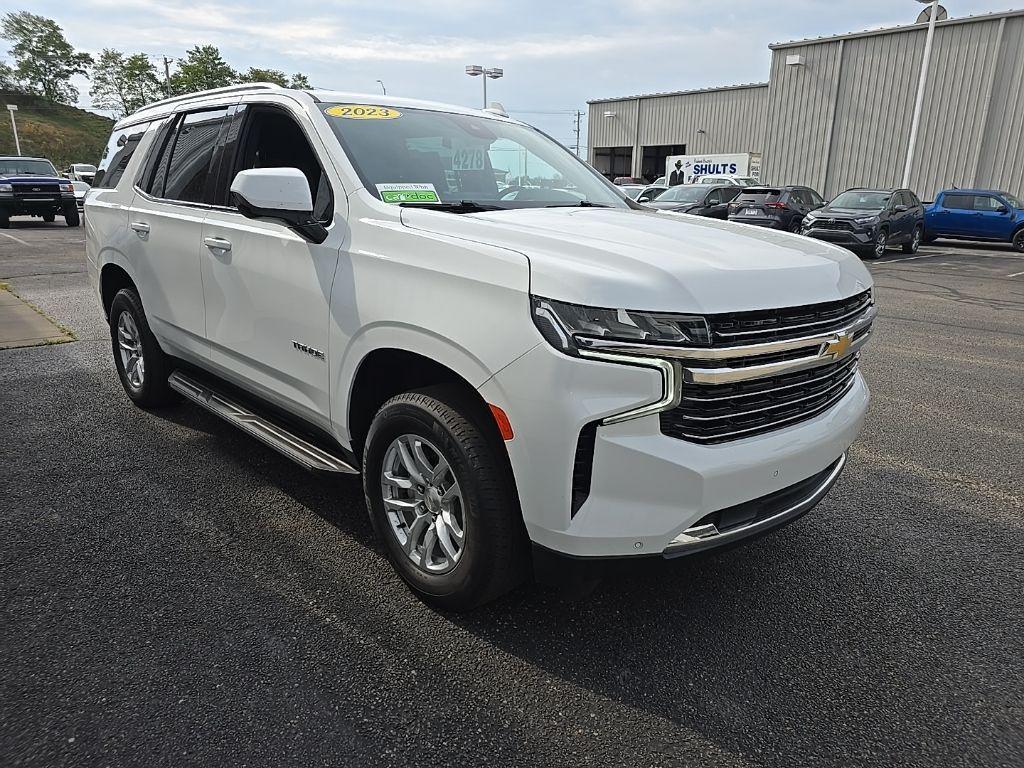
(362, 112)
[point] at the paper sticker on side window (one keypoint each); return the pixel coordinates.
(362, 112)
(408, 193)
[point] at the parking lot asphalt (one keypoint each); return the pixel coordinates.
(172, 592)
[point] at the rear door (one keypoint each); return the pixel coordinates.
(953, 216)
(268, 290)
(166, 223)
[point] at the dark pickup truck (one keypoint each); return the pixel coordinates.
(30, 186)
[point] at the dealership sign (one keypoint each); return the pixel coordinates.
(693, 167)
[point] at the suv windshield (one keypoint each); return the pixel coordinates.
(14, 166)
(420, 156)
(683, 195)
(862, 201)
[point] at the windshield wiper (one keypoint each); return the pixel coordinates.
(463, 206)
(580, 204)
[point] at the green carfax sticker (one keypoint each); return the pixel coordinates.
(408, 193)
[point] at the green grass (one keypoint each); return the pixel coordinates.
(61, 133)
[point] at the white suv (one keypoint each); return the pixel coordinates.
(553, 376)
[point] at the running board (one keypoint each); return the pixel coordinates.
(286, 443)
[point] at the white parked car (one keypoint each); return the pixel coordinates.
(736, 181)
(542, 380)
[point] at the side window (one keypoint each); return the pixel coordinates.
(986, 203)
(715, 198)
(189, 166)
(800, 197)
(117, 155)
(271, 138)
(728, 195)
(912, 200)
(959, 202)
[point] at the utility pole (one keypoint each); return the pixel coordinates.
(167, 76)
(579, 119)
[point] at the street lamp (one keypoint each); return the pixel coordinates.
(475, 70)
(385, 90)
(12, 108)
(915, 123)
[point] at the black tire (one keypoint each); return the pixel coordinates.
(796, 226)
(877, 250)
(5, 220)
(153, 391)
(915, 240)
(49, 218)
(494, 554)
(1018, 241)
(71, 215)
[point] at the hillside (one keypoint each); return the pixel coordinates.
(63, 134)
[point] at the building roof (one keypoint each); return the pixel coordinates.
(901, 28)
(681, 93)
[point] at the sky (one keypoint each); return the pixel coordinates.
(556, 55)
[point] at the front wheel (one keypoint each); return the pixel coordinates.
(796, 227)
(49, 218)
(915, 241)
(878, 248)
(1018, 241)
(71, 215)
(441, 500)
(5, 220)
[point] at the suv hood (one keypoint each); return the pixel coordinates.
(15, 179)
(654, 261)
(848, 213)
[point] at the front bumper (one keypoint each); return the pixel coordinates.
(35, 205)
(647, 491)
(857, 238)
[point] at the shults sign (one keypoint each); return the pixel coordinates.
(687, 169)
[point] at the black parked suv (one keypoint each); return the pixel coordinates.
(775, 207)
(698, 199)
(869, 221)
(30, 186)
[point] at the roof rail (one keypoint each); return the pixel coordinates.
(212, 92)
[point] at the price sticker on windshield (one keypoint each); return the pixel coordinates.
(468, 160)
(362, 112)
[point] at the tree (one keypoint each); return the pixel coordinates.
(44, 60)
(8, 80)
(124, 84)
(202, 68)
(257, 75)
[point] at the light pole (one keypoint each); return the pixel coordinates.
(12, 108)
(385, 90)
(475, 70)
(915, 123)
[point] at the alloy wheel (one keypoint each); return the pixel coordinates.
(1018, 241)
(129, 343)
(915, 242)
(423, 503)
(880, 244)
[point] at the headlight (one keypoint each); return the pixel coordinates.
(67, 187)
(6, 188)
(867, 220)
(562, 324)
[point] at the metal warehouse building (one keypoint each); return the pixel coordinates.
(836, 112)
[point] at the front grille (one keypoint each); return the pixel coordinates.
(789, 323)
(834, 226)
(31, 190)
(713, 414)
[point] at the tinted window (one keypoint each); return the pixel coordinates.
(16, 166)
(912, 199)
(189, 165)
(730, 194)
(862, 200)
(758, 196)
(117, 154)
(959, 202)
(987, 203)
(816, 199)
(270, 138)
(715, 198)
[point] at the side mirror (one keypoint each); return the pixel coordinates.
(644, 199)
(281, 194)
(900, 209)
(1002, 209)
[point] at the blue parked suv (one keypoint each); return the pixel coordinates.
(976, 214)
(30, 186)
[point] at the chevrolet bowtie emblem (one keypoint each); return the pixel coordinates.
(838, 348)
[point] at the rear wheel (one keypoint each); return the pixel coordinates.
(141, 365)
(441, 501)
(796, 226)
(915, 241)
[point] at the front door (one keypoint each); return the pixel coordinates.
(267, 289)
(992, 218)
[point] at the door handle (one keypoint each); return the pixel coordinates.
(217, 243)
(140, 226)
